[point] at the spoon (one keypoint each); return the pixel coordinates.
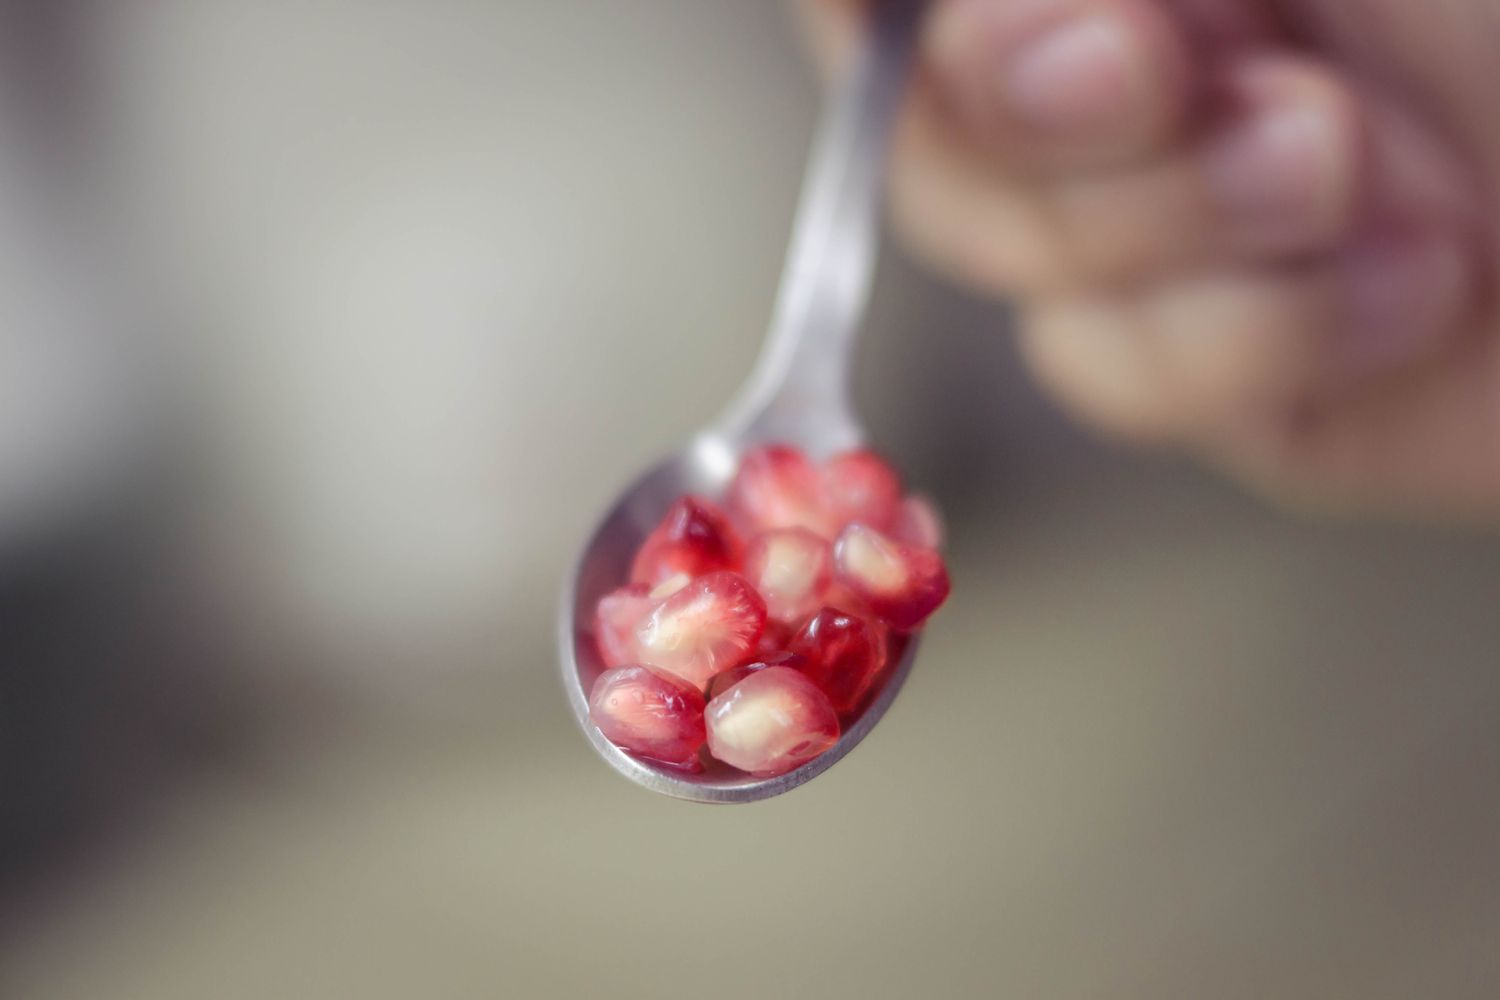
(797, 394)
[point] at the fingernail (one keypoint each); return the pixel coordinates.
(1082, 78)
(1401, 294)
(1276, 176)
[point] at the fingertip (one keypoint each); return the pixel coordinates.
(1281, 165)
(1058, 84)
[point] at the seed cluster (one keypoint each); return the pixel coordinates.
(753, 632)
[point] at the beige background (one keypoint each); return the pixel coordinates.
(441, 275)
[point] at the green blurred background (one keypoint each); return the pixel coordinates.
(422, 284)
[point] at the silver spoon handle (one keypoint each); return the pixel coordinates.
(802, 377)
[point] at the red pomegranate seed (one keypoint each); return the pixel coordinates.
(729, 678)
(694, 537)
(918, 523)
(708, 626)
(900, 583)
(619, 614)
(650, 713)
(839, 569)
(792, 569)
(843, 655)
(861, 486)
(771, 722)
(841, 598)
(777, 487)
(775, 638)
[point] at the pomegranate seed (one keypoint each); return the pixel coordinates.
(729, 678)
(619, 614)
(694, 537)
(668, 587)
(786, 633)
(900, 583)
(771, 722)
(895, 645)
(861, 486)
(650, 713)
(775, 638)
(724, 680)
(841, 598)
(709, 625)
(792, 569)
(777, 487)
(919, 523)
(843, 655)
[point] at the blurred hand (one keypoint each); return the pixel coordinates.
(1259, 230)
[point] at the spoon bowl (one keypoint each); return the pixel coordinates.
(703, 467)
(798, 395)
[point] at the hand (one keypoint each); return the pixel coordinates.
(1259, 230)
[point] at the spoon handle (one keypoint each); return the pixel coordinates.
(799, 390)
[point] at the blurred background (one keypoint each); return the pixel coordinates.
(326, 330)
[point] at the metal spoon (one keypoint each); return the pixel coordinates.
(798, 393)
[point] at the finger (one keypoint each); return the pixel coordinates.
(1420, 442)
(1062, 84)
(954, 205)
(1185, 363)
(1278, 175)
(1403, 294)
(1215, 359)
(1212, 28)
(1095, 358)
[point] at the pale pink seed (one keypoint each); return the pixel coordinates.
(649, 713)
(792, 569)
(710, 625)
(918, 523)
(694, 537)
(776, 486)
(771, 722)
(729, 678)
(668, 587)
(619, 613)
(900, 583)
(861, 486)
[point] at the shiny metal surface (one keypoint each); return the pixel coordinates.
(798, 392)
